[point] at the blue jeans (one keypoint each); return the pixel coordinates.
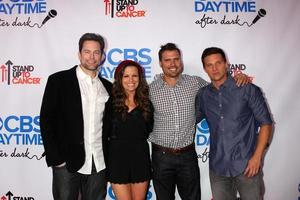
(170, 170)
(226, 188)
(67, 185)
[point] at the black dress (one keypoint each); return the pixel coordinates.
(128, 155)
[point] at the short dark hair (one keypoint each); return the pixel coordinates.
(212, 50)
(94, 37)
(168, 47)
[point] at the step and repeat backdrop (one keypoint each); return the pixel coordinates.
(40, 37)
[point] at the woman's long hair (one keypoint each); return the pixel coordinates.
(141, 97)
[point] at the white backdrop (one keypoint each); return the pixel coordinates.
(30, 50)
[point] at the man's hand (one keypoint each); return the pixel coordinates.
(253, 166)
(241, 79)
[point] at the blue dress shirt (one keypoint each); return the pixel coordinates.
(233, 115)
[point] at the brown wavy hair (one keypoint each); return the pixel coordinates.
(141, 97)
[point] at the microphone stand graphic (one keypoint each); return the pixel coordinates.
(51, 14)
(261, 13)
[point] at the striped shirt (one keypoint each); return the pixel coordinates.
(174, 110)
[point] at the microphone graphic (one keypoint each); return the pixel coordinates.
(52, 13)
(261, 13)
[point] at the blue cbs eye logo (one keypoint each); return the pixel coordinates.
(202, 136)
(203, 127)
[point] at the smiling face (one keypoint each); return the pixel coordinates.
(171, 64)
(216, 68)
(130, 79)
(90, 56)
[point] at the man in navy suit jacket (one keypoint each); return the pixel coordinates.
(72, 128)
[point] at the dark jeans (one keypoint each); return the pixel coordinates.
(66, 185)
(171, 170)
(225, 188)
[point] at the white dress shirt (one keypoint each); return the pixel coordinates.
(93, 96)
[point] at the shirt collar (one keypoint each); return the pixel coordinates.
(229, 82)
(83, 76)
(161, 82)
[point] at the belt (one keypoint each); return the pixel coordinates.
(156, 147)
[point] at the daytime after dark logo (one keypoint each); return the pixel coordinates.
(21, 133)
(123, 9)
(18, 74)
(227, 12)
(202, 140)
(18, 13)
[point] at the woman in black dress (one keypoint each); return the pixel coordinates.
(131, 121)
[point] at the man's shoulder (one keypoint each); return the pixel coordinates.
(153, 83)
(189, 77)
(254, 90)
(246, 92)
(248, 87)
(105, 81)
(63, 73)
(203, 90)
(156, 82)
(196, 79)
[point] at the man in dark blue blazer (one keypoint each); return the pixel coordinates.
(72, 128)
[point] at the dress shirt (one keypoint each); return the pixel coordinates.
(233, 115)
(174, 110)
(93, 96)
